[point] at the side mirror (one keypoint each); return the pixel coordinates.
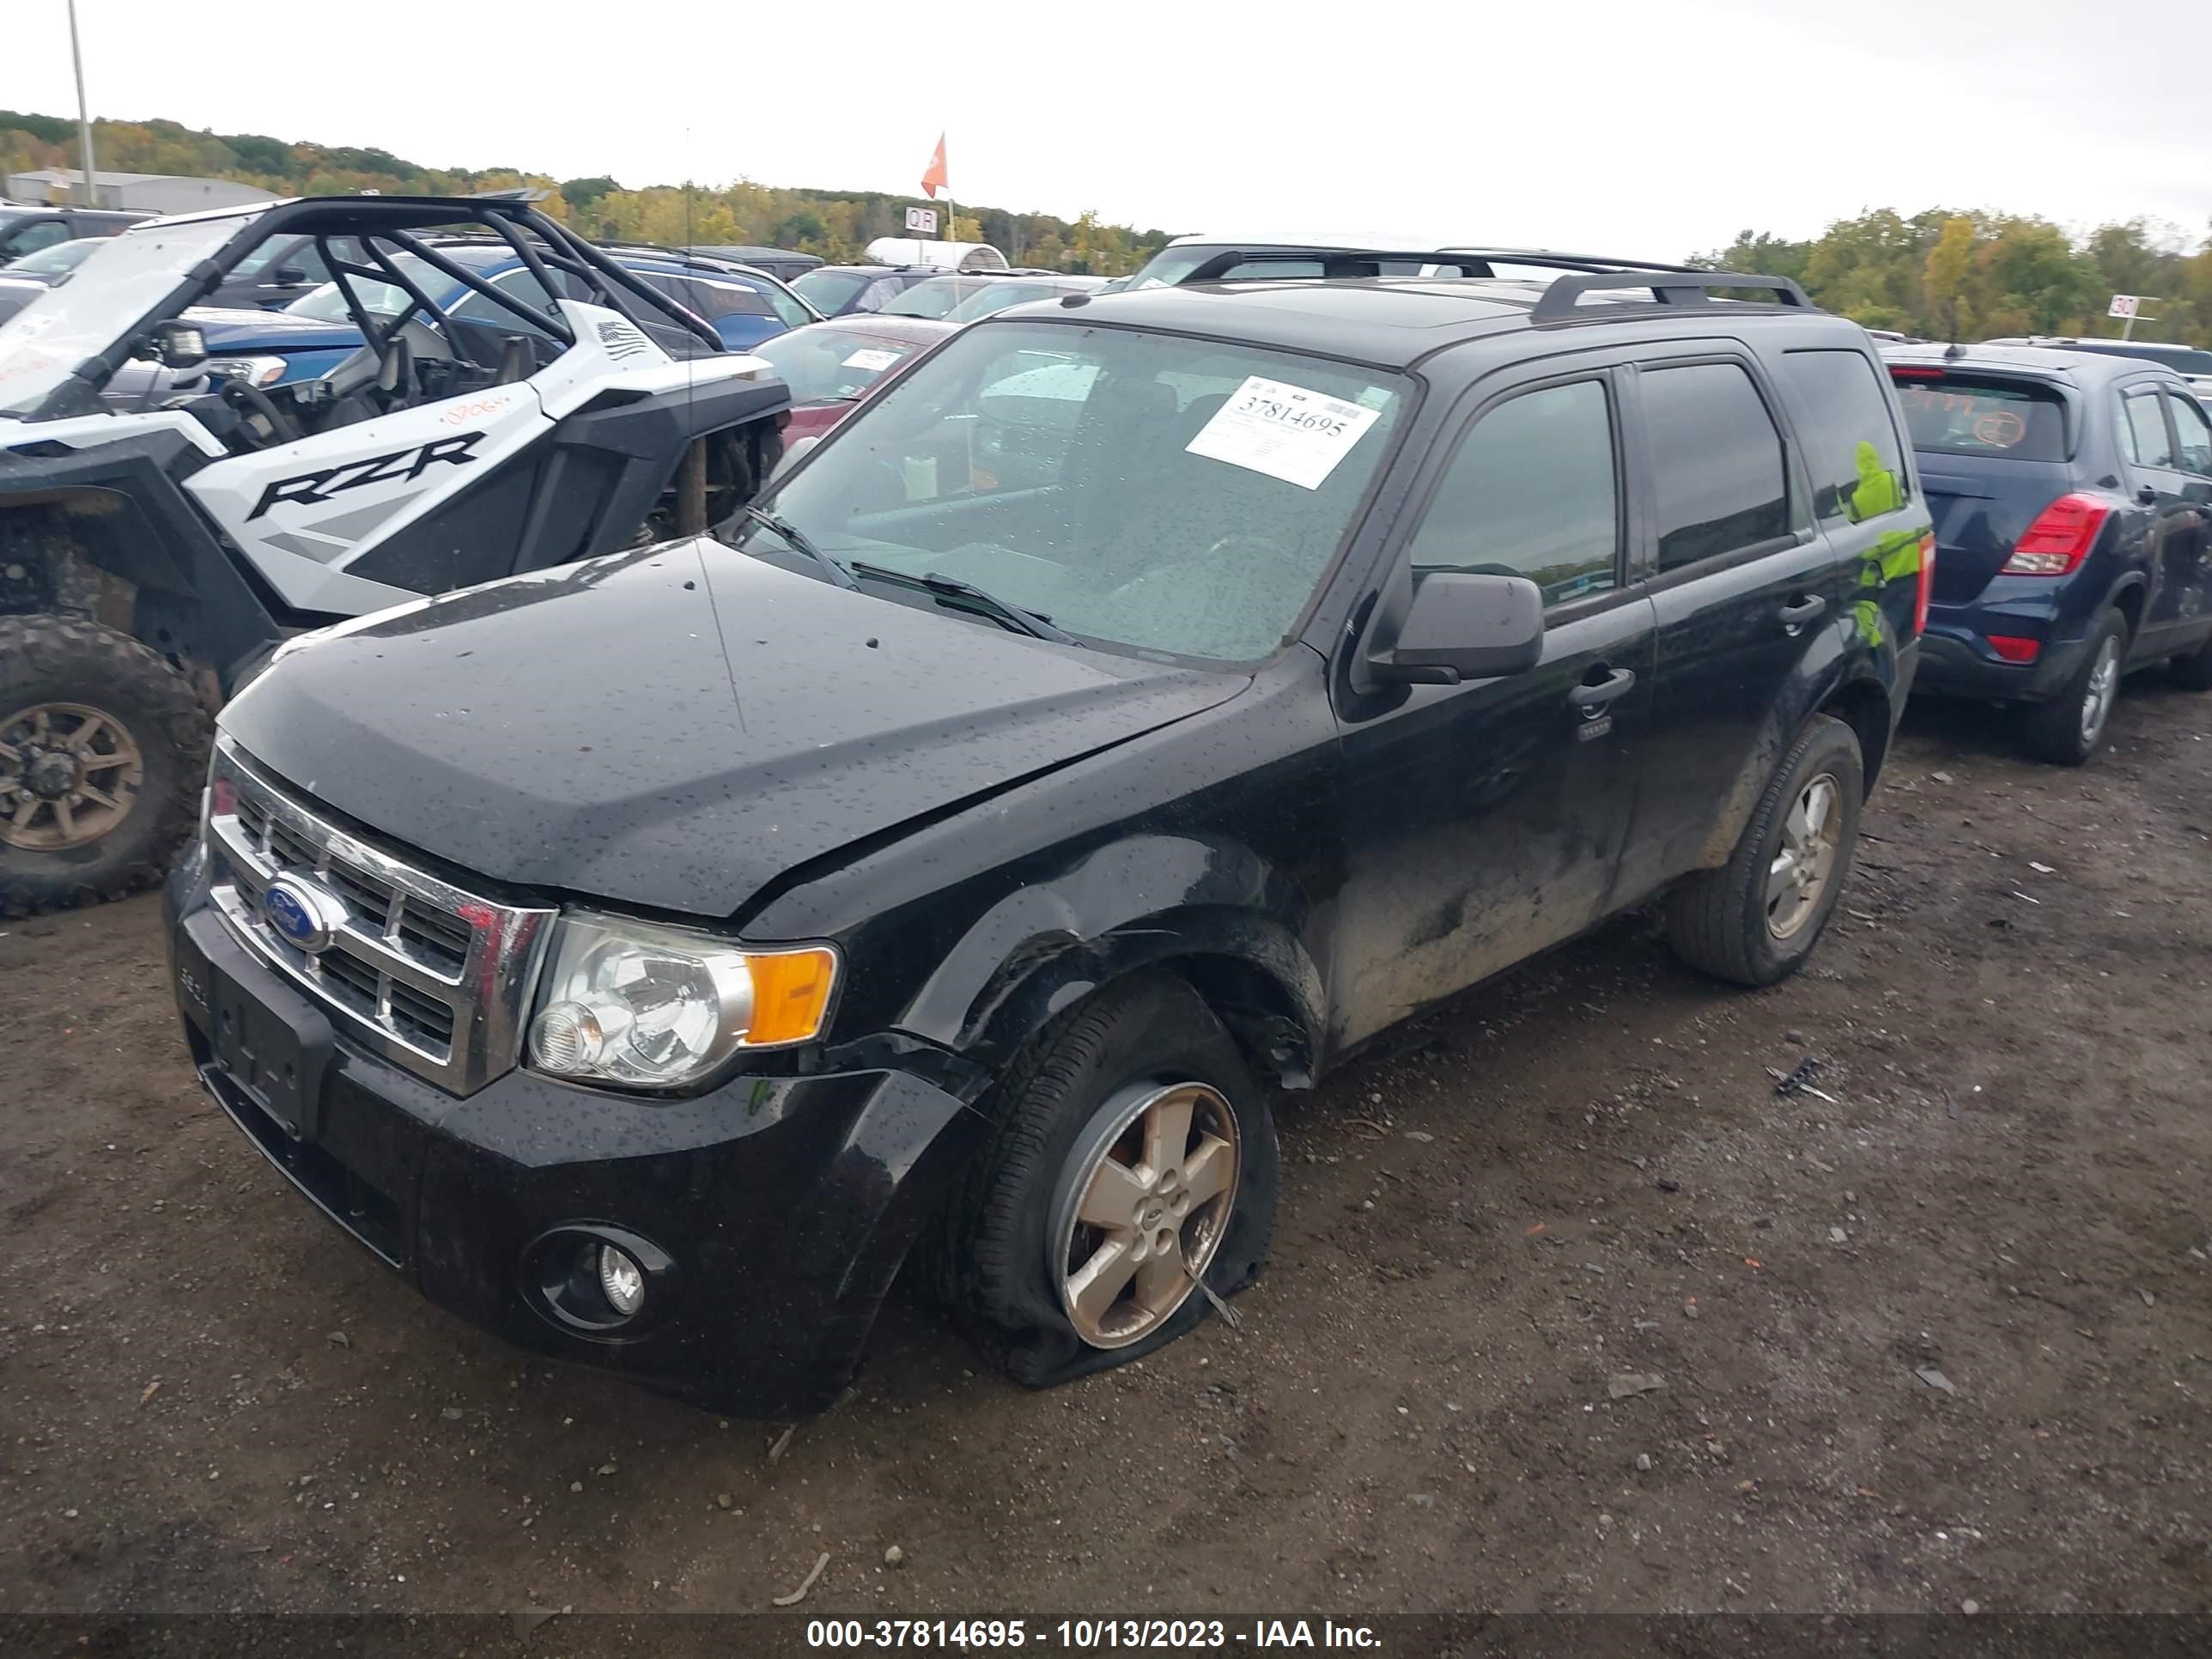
(181, 345)
(290, 275)
(1464, 626)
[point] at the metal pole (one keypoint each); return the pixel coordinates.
(83, 110)
(2128, 327)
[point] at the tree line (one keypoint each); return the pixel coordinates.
(1952, 276)
(1941, 273)
(834, 224)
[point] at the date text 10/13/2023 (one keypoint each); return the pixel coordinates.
(1088, 1635)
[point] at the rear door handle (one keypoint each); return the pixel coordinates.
(1800, 613)
(1591, 697)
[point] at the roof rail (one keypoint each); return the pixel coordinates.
(1562, 301)
(1549, 259)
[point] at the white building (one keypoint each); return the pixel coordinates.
(132, 192)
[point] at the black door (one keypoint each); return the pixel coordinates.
(1483, 822)
(2192, 454)
(1742, 587)
(2177, 501)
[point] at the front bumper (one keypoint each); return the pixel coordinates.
(784, 1205)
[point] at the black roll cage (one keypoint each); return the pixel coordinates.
(369, 220)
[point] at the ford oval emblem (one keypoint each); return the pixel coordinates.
(301, 914)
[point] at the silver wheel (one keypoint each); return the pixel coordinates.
(2098, 692)
(1141, 1207)
(1798, 875)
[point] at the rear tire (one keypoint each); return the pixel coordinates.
(1755, 920)
(103, 817)
(2067, 730)
(1012, 1237)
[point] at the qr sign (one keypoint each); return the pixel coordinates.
(2123, 305)
(923, 219)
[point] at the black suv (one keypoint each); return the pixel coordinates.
(1137, 706)
(26, 229)
(2073, 499)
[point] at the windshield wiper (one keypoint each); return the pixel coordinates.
(791, 533)
(951, 587)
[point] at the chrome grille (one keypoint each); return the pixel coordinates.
(434, 977)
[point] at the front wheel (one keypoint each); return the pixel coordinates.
(2067, 730)
(1756, 919)
(102, 750)
(1135, 1156)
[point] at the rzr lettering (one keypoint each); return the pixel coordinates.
(312, 489)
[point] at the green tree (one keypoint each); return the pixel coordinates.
(1949, 268)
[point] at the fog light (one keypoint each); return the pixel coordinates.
(621, 1281)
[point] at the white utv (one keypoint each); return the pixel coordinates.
(163, 531)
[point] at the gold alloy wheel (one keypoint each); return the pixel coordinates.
(1799, 873)
(1142, 1206)
(68, 775)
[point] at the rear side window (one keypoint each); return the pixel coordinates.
(1949, 414)
(2196, 430)
(2143, 430)
(1718, 475)
(1530, 492)
(1851, 439)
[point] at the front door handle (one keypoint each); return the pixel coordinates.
(1797, 613)
(1590, 698)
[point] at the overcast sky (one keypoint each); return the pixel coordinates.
(1613, 126)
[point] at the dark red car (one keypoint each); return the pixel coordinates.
(830, 367)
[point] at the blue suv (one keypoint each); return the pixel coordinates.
(2072, 494)
(312, 335)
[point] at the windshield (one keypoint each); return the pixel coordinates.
(997, 296)
(49, 338)
(828, 291)
(1168, 495)
(1968, 414)
(60, 259)
(936, 297)
(823, 363)
(328, 305)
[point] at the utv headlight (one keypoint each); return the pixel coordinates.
(254, 371)
(634, 1003)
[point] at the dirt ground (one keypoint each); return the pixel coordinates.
(1941, 1338)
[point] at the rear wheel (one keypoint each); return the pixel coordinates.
(1135, 1157)
(102, 748)
(1756, 919)
(2067, 730)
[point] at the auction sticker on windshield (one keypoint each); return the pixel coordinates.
(867, 357)
(1284, 431)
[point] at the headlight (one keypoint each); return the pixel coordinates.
(254, 371)
(632, 1003)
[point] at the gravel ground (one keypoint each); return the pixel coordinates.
(1569, 1309)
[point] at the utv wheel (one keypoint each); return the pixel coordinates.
(1756, 919)
(102, 750)
(2067, 730)
(2194, 672)
(1135, 1156)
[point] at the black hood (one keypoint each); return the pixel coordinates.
(683, 725)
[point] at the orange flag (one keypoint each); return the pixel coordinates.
(934, 177)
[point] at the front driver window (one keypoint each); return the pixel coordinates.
(2194, 427)
(1530, 492)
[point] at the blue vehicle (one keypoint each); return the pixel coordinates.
(313, 334)
(2072, 494)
